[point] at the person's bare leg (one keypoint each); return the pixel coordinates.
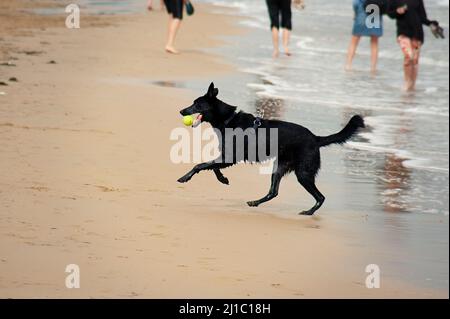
(415, 70)
(352, 51)
(149, 5)
(162, 5)
(286, 38)
(414, 73)
(374, 54)
(408, 62)
(275, 35)
(174, 25)
(408, 69)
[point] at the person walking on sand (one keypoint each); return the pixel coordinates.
(361, 29)
(277, 9)
(175, 10)
(410, 16)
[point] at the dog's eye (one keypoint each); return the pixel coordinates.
(201, 107)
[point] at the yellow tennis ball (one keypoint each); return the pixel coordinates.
(188, 120)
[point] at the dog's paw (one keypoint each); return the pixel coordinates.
(306, 213)
(184, 179)
(224, 180)
(253, 203)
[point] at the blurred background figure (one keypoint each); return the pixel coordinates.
(410, 16)
(361, 29)
(150, 5)
(280, 14)
(299, 4)
(175, 10)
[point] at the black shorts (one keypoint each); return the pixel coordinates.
(175, 8)
(279, 8)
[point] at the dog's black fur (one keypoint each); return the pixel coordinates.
(298, 148)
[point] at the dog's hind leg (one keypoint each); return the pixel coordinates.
(220, 176)
(307, 180)
(274, 186)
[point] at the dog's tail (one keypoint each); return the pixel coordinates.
(345, 134)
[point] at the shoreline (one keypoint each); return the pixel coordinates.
(88, 181)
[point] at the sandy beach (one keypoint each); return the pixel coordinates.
(86, 178)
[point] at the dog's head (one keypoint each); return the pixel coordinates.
(209, 108)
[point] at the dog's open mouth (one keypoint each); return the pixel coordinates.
(198, 120)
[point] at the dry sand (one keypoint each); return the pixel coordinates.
(85, 178)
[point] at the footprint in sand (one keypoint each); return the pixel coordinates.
(144, 217)
(294, 292)
(69, 197)
(39, 188)
(153, 190)
(156, 235)
(205, 260)
(105, 189)
(31, 52)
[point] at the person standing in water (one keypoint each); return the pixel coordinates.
(410, 16)
(277, 9)
(175, 10)
(361, 29)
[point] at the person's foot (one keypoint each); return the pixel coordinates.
(275, 54)
(150, 5)
(287, 52)
(172, 50)
(348, 67)
(409, 88)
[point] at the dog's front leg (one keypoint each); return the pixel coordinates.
(186, 178)
(220, 177)
(214, 165)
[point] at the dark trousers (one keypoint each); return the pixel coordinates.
(277, 9)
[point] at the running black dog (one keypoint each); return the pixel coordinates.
(298, 148)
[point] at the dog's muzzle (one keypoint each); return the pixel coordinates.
(190, 111)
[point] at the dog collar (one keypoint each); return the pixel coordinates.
(257, 123)
(228, 120)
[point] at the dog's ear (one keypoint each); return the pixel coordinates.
(212, 92)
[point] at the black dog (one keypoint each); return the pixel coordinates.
(298, 148)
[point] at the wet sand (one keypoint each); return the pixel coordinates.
(86, 179)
